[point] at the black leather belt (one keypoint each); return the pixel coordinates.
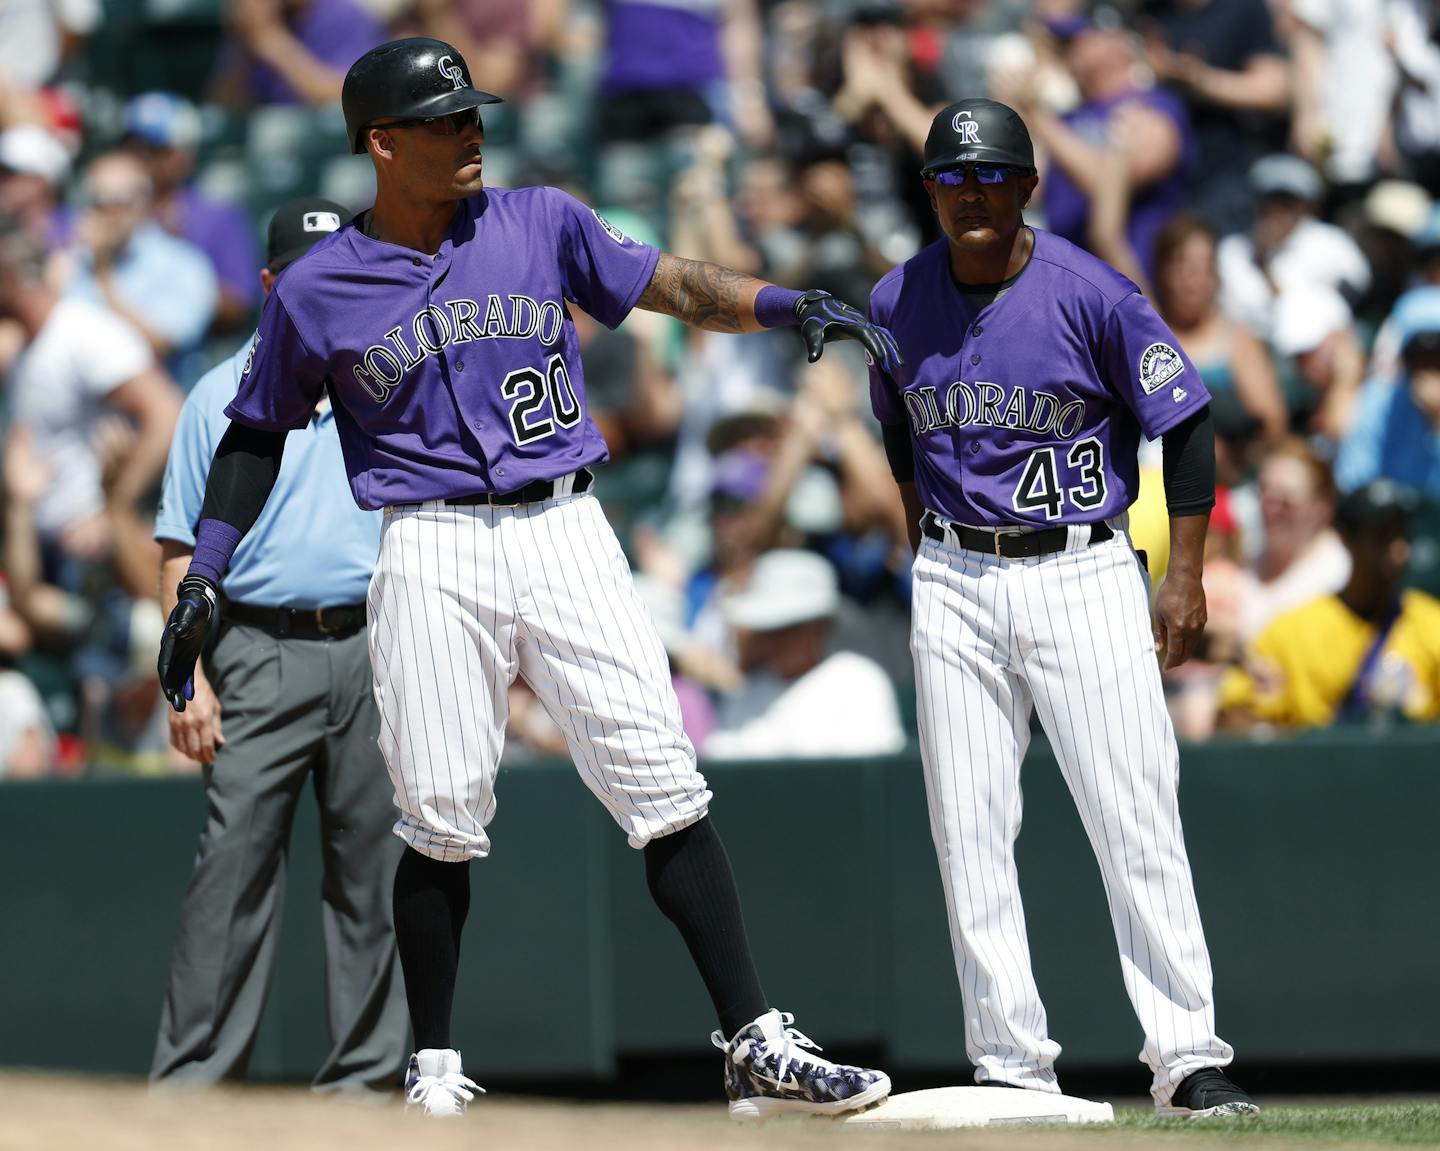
(531, 493)
(1008, 545)
(298, 623)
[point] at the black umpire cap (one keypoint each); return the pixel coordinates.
(978, 131)
(297, 225)
(418, 78)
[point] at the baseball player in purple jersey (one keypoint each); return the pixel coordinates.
(437, 321)
(1031, 371)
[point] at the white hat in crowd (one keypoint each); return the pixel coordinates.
(786, 587)
(1306, 315)
(1281, 174)
(30, 149)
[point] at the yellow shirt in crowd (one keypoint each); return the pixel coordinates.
(1300, 669)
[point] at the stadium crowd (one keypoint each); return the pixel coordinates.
(1266, 170)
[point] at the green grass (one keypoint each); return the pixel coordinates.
(1415, 1124)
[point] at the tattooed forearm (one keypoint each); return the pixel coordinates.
(704, 295)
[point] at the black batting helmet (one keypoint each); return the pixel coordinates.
(418, 77)
(978, 131)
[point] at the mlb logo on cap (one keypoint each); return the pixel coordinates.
(321, 222)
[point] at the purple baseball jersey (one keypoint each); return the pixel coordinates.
(453, 374)
(1028, 409)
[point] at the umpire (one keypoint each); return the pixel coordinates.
(284, 692)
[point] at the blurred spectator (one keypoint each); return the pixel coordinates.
(80, 363)
(1412, 37)
(1300, 557)
(1395, 431)
(28, 747)
(670, 69)
(1223, 59)
(94, 636)
(1344, 85)
(27, 738)
(1370, 653)
(1245, 396)
(504, 42)
(1315, 337)
(1286, 246)
(121, 259)
(33, 168)
(1385, 351)
(38, 38)
(683, 65)
(291, 51)
(798, 701)
(163, 129)
(1393, 215)
(1150, 126)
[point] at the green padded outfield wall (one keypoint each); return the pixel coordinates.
(1316, 863)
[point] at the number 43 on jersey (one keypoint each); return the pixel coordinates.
(1040, 488)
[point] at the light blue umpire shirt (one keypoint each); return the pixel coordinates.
(312, 546)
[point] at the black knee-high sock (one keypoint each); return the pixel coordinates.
(690, 878)
(432, 900)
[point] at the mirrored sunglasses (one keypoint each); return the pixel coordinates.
(984, 173)
(452, 125)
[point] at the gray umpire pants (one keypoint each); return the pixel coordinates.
(291, 708)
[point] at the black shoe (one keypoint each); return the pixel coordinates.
(1204, 1093)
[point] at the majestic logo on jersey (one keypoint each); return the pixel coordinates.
(989, 405)
(250, 359)
(1179, 394)
(452, 72)
(438, 326)
(965, 127)
(614, 233)
(1159, 364)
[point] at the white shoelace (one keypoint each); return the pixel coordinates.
(787, 1047)
(454, 1084)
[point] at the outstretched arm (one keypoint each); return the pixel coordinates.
(709, 296)
(720, 299)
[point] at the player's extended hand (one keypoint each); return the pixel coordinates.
(184, 639)
(824, 318)
(1179, 618)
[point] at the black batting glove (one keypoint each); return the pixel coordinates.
(184, 638)
(824, 318)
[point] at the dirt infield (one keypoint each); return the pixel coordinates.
(38, 1113)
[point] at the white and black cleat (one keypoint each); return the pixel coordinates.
(770, 1070)
(1207, 1094)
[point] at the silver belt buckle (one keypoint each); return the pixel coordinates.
(997, 546)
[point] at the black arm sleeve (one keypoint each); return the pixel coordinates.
(242, 476)
(900, 451)
(1189, 465)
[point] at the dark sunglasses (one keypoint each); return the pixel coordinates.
(984, 173)
(452, 125)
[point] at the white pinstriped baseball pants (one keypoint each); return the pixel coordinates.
(465, 598)
(1069, 634)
